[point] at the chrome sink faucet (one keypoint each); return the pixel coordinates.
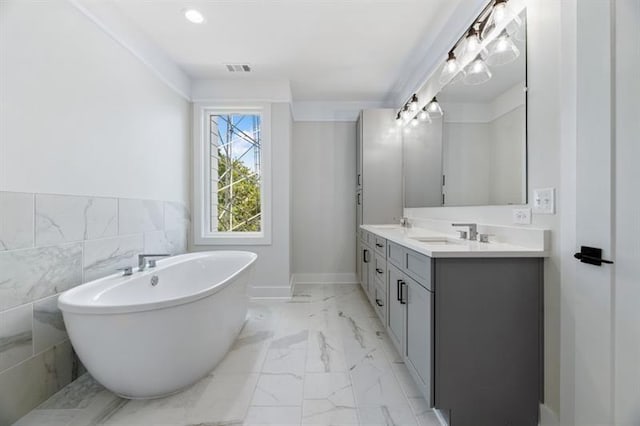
(473, 230)
(142, 260)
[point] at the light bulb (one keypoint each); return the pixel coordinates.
(424, 116)
(499, 13)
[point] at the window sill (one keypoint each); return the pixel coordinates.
(250, 239)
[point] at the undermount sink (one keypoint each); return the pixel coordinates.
(435, 240)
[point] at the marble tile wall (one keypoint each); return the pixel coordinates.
(50, 243)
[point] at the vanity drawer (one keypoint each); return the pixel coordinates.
(380, 245)
(380, 302)
(380, 268)
(395, 254)
(419, 267)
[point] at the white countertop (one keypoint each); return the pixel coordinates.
(448, 245)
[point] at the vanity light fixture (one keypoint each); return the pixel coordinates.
(194, 16)
(424, 116)
(434, 108)
(451, 72)
(502, 50)
(413, 103)
(477, 72)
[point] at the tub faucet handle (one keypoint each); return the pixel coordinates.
(142, 260)
(126, 271)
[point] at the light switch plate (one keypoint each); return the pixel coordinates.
(544, 201)
(522, 216)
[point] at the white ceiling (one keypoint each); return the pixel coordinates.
(329, 50)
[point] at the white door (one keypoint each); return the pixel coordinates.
(600, 371)
(627, 215)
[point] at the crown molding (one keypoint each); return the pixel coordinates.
(241, 89)
(108, 20)
(331, 110)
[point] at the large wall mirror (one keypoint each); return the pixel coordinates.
(472, 148)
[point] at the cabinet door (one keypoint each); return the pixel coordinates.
(395, 302)
(419, 332)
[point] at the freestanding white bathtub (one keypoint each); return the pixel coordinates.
(146, 341)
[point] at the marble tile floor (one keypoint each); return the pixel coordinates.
(321, 358)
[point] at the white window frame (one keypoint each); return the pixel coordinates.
(202, 235)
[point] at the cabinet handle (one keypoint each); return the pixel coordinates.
(358, 198)
(403, 300)
(379, 245)
(378, 270)
(379, 303)
(364, 256)
(398, 291)
(359, 180)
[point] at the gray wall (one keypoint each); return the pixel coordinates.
(323, 179)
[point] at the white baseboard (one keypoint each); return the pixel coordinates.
(282, 293)
(332, 278)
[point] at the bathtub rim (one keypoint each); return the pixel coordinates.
(66, 302)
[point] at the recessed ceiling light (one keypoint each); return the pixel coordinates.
(194, 16)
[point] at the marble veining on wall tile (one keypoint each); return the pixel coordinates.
(135, 216)
(64, 218)
(104, 257)
(48, 324)
(176, 216)
(32, 274)
(16, 220)
(16, 336)
(48, 244)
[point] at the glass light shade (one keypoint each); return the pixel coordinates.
(477, 72)
(434, 108)
(451, 72)
(406, 114)
(398, 120)
(502, 50)
(502, 16)
(471, 43)
(424, 116)
(414, 121)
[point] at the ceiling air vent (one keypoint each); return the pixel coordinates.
(238, 68)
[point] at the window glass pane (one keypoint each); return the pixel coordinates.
(234, 150)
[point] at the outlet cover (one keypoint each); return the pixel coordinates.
(544, 201)
(522, 216)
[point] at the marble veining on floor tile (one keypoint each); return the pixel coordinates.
(321, 359)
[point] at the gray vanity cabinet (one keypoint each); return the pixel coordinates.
(488, 340)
